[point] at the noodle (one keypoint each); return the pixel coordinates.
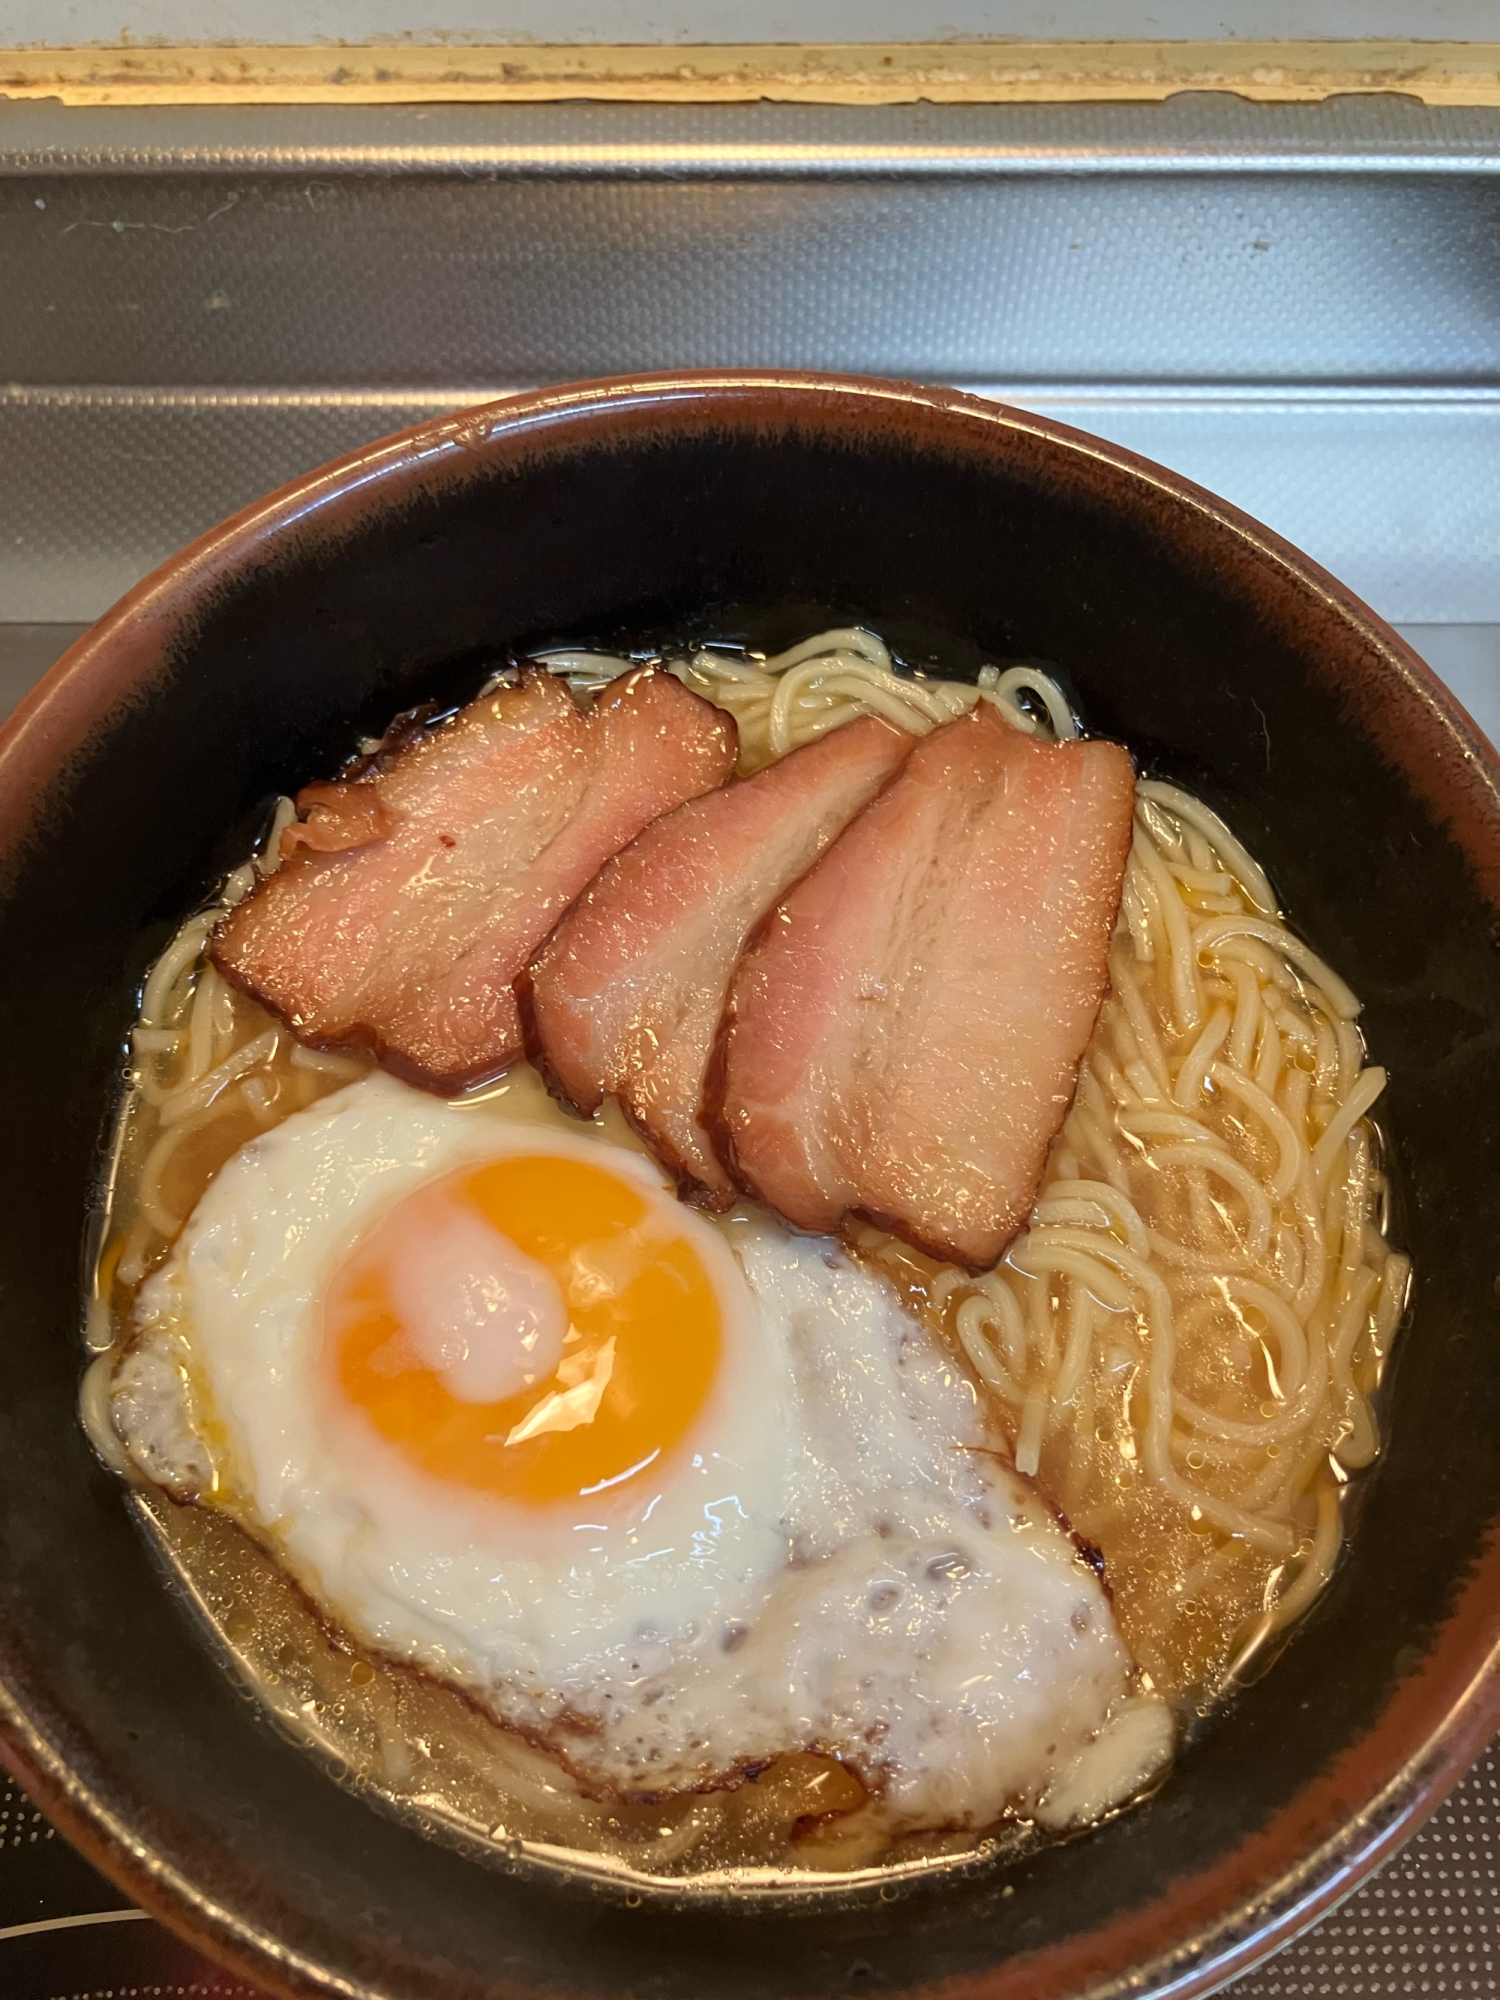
(208, 1069)
(1237, 861)
(1183, 1343)
(1262, 1315)
(832, 678)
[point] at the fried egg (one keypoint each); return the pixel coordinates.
(673, 1495)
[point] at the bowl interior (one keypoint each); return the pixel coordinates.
(759, 514)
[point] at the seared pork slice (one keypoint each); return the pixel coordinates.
(903, 1035)
(411, 898)
(624, 998)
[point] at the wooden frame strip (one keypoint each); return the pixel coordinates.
(1457, 73)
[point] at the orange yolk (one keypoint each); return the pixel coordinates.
(594, 1325)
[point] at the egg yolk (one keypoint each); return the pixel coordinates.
(534, 1328)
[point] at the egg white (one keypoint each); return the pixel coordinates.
(835, 1558)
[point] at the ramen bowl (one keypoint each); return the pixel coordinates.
(758, 508)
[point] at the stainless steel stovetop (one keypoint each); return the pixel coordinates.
(1298, 306)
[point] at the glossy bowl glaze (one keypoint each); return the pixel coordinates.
(763, 506)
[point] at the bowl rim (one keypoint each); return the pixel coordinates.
(1192, 1938)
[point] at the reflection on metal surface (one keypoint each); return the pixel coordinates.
(1467, 659)
(1192, 133)
(1398, 494)
(1201, 241)
(1295, 305)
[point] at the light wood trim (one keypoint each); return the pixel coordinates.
(848, 73)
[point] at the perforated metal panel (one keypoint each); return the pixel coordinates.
(1397, 494)
(1298, 306)
(1427, 1923)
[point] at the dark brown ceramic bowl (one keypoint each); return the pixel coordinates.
(757, 506)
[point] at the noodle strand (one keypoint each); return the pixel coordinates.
(1185, 1339)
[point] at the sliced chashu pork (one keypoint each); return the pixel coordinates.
(624, 998)
(411, 898)
(903, 1035)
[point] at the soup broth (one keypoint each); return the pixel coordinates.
(1180, 1349)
